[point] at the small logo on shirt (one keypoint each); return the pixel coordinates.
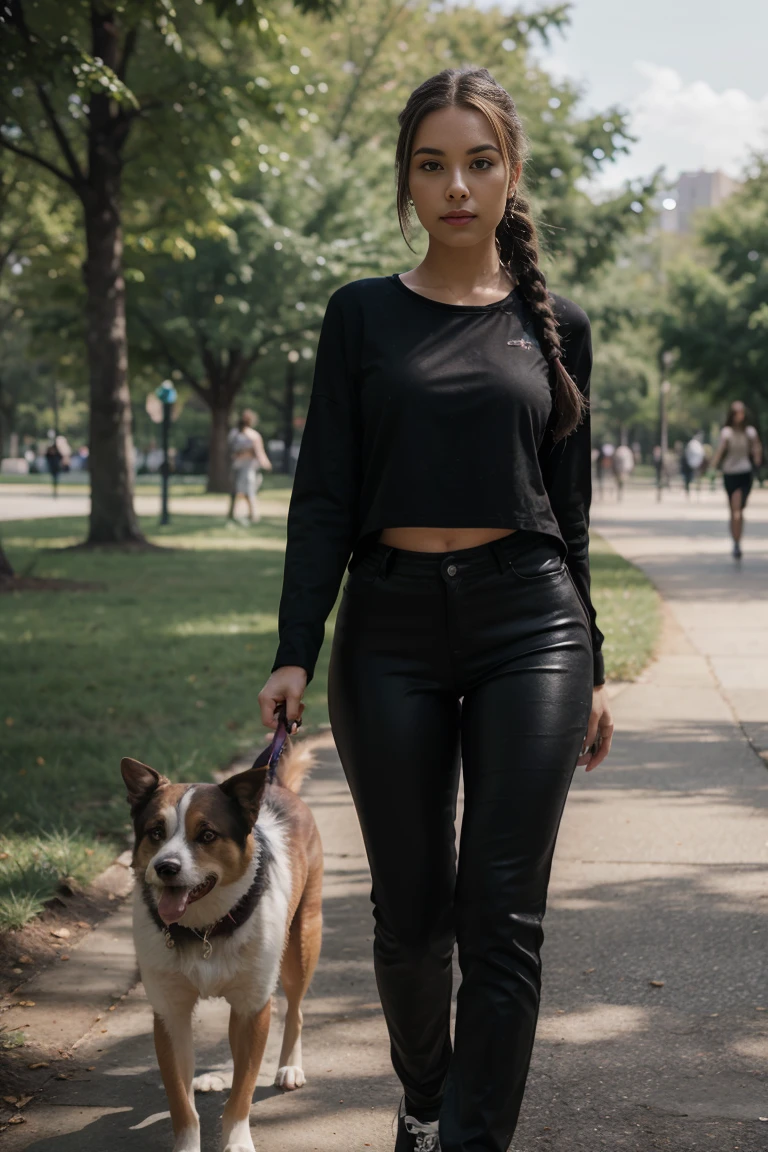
(520, 344)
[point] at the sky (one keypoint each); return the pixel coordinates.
(692, 73)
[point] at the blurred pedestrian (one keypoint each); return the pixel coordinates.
(623, 466)
(605, 464)
(658, 463)
(739, 452)
(692, 460)
(57, 456)
(247, 459)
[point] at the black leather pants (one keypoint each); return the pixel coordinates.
(481, 656)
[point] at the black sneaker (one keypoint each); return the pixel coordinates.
(736, 550)
(416, 1135)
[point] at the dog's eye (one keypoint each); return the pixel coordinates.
(156, 834)
(207, 836)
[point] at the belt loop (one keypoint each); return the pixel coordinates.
(497, 550)
(385, 565)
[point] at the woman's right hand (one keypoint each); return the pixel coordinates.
(285, 685)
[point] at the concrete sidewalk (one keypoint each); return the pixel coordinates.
(35, 502)
(653, 1031)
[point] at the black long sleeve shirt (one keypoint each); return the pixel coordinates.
(426, 414)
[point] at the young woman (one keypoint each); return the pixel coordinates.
(738, 453)
(248, 456)
(447, 448)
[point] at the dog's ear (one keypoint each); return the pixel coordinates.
(140, 780)
(247, 790)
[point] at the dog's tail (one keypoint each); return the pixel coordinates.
(294, 765)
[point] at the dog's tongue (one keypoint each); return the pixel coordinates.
(172, 904)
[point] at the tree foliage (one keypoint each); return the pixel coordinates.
(718, 306)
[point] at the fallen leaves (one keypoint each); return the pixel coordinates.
(25, 1003)
(656, 983)
(39, 1064)
(61, 933)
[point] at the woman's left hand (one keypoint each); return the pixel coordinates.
(597, 742)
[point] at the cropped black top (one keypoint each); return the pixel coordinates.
(425, 414)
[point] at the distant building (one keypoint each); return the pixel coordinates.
(694, 190)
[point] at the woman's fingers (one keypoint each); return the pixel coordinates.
(285, 686)
(603, 749)
(589, 739)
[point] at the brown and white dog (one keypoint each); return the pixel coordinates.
(227, 901)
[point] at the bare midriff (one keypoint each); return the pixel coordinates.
(440, 539)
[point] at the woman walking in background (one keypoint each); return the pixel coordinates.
(247, 456)
(738, 453)
(447, 448)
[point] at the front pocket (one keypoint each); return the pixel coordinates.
(535, 572)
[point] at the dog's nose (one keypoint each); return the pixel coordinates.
(168, 867)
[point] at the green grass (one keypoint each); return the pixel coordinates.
(163, 664)
(628, 611)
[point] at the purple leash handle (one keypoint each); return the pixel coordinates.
(274, 751)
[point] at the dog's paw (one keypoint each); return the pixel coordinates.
(211, 1082)
(290, 1076)
(188, 1141)
(238, 1138)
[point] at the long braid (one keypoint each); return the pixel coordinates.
(518, 246)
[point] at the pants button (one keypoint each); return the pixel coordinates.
(451, 569)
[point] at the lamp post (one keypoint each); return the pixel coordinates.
(166, 394)
(666, 359)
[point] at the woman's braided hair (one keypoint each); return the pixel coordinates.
(516, 237)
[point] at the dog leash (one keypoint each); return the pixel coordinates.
(272, 753)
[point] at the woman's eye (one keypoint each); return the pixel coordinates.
(207, 837)
(480, 160)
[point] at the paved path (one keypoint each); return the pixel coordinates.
(722, 605)
(35, 502)
(661, 875)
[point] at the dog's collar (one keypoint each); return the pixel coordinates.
(231, 920)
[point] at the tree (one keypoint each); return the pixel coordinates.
(71, 112)
(717, 316)
(296, 217)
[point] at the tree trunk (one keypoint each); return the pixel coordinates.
(6, 571)
(113, 520)
(288, 411)
(111, 461)
(219, 479)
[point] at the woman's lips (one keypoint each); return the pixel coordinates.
(458, 219)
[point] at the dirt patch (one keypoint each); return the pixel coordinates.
(42, 584)
(24, 951)
(42, 943)
(124, 546)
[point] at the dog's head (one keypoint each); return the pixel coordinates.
(190, 838)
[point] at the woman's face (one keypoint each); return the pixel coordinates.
(738, 413)
(456, 165)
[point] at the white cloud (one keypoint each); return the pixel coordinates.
(688, 126)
